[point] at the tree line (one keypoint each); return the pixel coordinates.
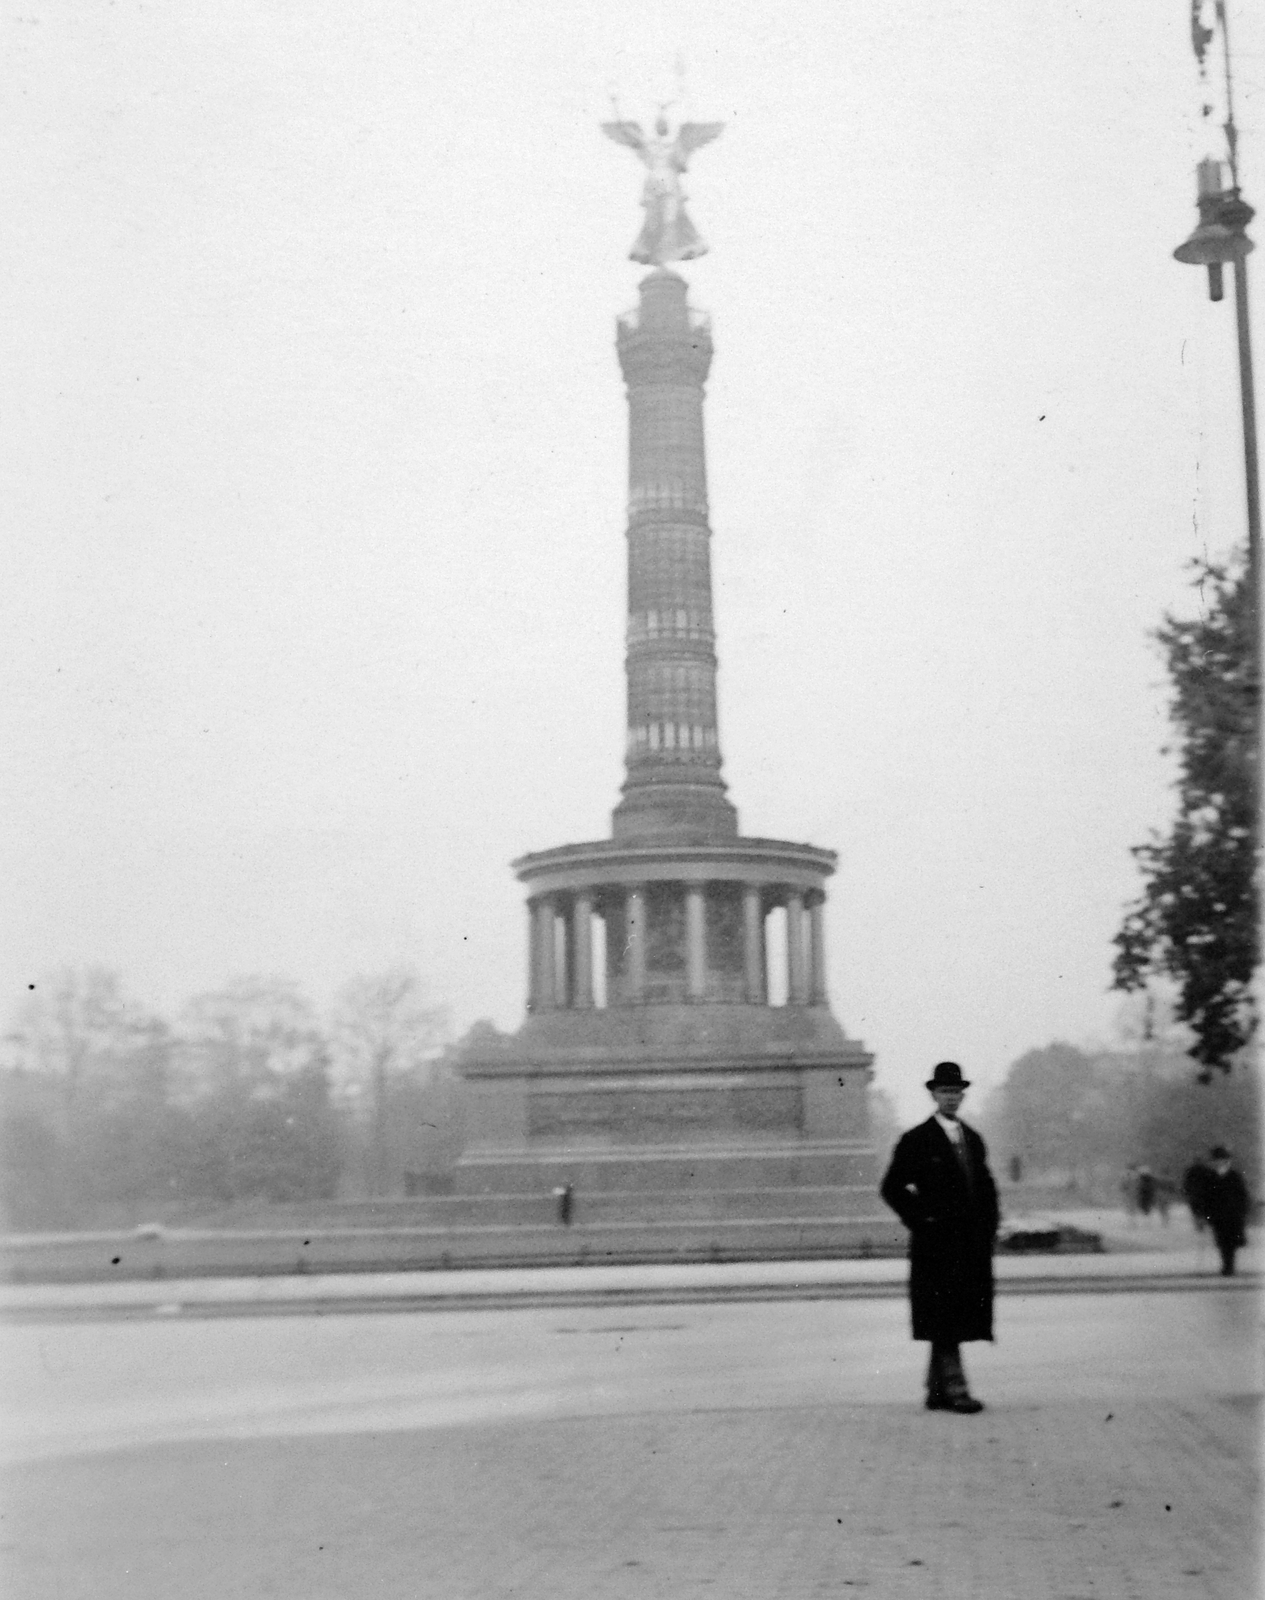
(249, 1098)
(112, 1113)
(1075, 1120)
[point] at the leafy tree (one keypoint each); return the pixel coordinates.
(1042, 1113)
(1196, 921)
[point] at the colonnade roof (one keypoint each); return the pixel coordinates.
(607, 861)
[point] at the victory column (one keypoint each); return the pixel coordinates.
(686, 1115)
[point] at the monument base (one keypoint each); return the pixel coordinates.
(680, 1132)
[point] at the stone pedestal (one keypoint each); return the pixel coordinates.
(684, 1091)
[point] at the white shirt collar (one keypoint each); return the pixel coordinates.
(952, 1128)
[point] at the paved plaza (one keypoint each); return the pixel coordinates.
(1055, 1501)
(757, 1450)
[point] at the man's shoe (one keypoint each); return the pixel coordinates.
(966, 1405)
(938, 1402)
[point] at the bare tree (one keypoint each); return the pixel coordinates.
(79, 1026)
(885, 1126)
(87, 1087)
(383, 1026)
(250, 1035)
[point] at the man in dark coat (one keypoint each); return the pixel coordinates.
(1225, 1203)
(940, 1187)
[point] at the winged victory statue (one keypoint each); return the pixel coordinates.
(667, 233)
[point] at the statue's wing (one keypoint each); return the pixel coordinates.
(628, 133)
(691, 135)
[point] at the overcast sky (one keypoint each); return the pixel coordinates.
(315, 455)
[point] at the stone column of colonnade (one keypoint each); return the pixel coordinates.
(817, 950)
(753, 949)
(543, 992)
(695, 942)
(796, 965)
(568, 984)
(582, 952)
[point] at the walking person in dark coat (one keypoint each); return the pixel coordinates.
(1225, 1203)
(940, 1187)
(1194, 1182)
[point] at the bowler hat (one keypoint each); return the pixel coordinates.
(947, 1075)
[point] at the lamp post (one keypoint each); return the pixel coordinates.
(1221, 237)
(1219, 240)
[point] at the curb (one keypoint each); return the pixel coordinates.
(166, 1300)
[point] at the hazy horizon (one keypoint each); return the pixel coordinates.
(316, 475)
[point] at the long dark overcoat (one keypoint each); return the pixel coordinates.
(1226, 1205)
(952, 1220)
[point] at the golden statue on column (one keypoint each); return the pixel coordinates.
(667, 234)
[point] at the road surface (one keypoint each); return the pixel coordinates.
(772, 1450)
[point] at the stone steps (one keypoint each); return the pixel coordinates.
(819, 1203)
(823, 1202)
(660, 1169)
(120, 1256)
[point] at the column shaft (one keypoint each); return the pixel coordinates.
(695, 942)
(582, 947)
(753, 944)
(817, 951)
(546, 973)
(796, 967)
(533, 960)
(673, 753)
(566, 985)
(635, 933)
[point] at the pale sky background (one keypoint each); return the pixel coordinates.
(314, 471)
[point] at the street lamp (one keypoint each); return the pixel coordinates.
(1220, 236)
(1221, 239)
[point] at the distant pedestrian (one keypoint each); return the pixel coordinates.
(1016, 1169)
(940, 1187)
(1129, 1193)
(1146, 1191)
(1226, 1206)
(1194, 1183)
(1194, 1189)
(564, 1195)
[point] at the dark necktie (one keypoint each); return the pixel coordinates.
(959, 1150)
